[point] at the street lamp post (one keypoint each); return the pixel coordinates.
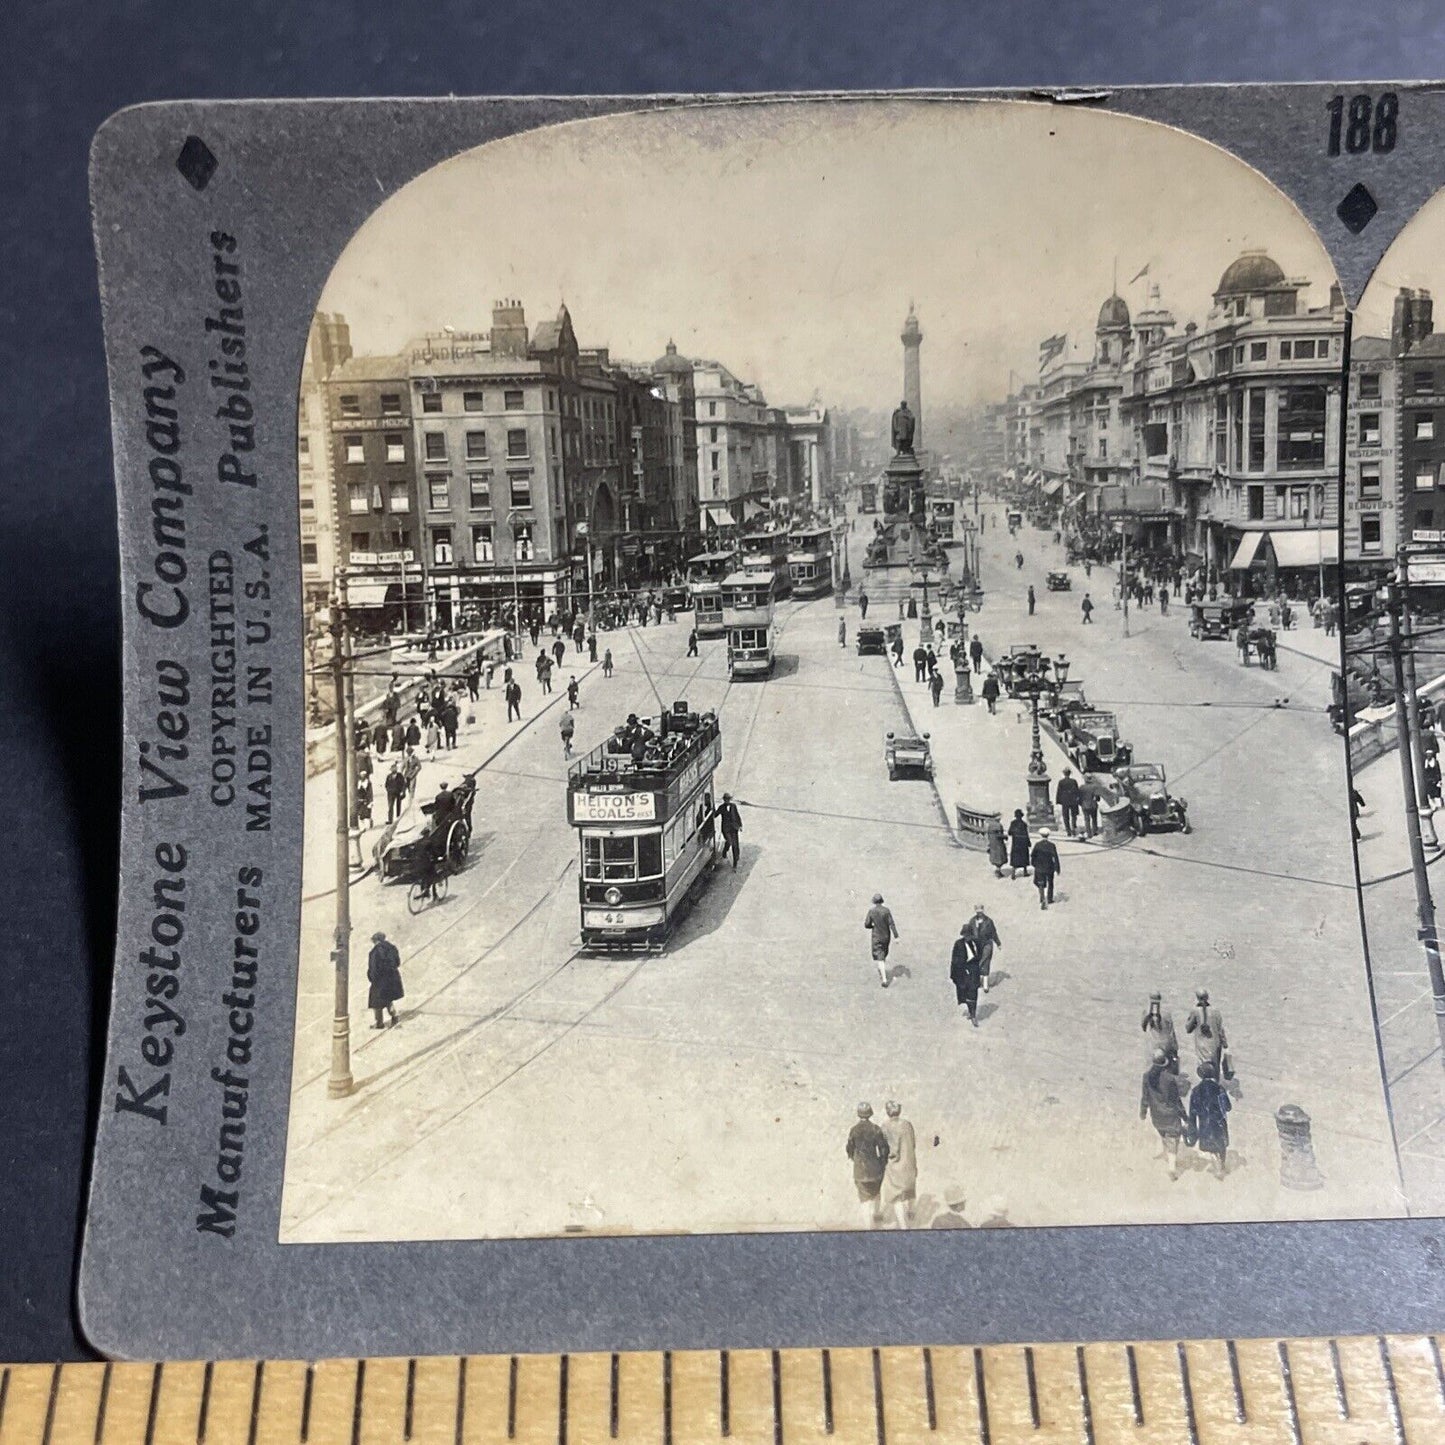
(340, 1083)
(925, 619)
(1029, 677)
(968, 601)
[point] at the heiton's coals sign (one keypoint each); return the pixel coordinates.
(595, 807)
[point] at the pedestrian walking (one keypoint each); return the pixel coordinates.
(607, 663)
(935, 686)
(975, 651)
(432, 737)
(1164, 602)
(1161, 1101)
(900, 609)
(1086, 607)
(573, 691)
(383, 973)
(546, 676)
(1159, 1035)
(842, 632)
(395, 792)
(882, 930)
(863, 604)
(411, 738)
(868, 1148)
(1206, 1023)
(991, 692)
(567, 726)
(559, 651)
(474, 681)
(1089, 806)
(983, 933)
(1357, 806)
(450, 719)
(900, 1178)
(362, 815)
(1032, 599)
(692, 643)
(930, 658)
(379, 735)
(1046, 866)
(730, 822)
(1088, 566)
(963, 971)
(1018, 841)
(920, 663)
(1209, 1118)
(489, 672)
(411, 771)
(1067, 796)
(997, 847)
(1019, 560)
(592, 646)
(579, 636)
(514, 701)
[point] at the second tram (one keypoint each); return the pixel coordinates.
(705, 574)
(868, 496)
(748, 615)
(810, 560)
(643, 806)
(768, 552)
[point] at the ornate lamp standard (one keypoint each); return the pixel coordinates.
(925, 618)
(1029, 675)
(968, 601)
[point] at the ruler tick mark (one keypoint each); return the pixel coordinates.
(204, 1419)
(1241, 1416)
(1084, 1400)
(104, 1401)
(1135, 1398)
(410, 1398)
(1033, 1385)
(667, 1397)
(512, 1399)
(1439, 1368)
(461, 1397)
(724, 1404)
(154, 1400)
(1342, 1400)
(1397, 1420)
(928, 1388)
(982, 1391)
(256, 1380)
(1186, 1387)
(612, 1383)
(878, 1421)
(305, 1399)
(356, 1402)
(4, 1391)
(778, 1400)
(562, 1373)
(50, 1405)
(827, 1392)
(1291, 1405)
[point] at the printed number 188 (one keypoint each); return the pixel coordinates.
(1363, 124)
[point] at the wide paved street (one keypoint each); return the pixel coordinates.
(530, 1090)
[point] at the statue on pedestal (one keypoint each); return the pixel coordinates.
(904, 423)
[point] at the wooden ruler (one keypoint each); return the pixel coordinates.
(1365, 1391)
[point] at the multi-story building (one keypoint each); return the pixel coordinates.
(1418, 354)
(732, 471)
(374, 490)
(328, 345)
(810, 441)
(1372, 460)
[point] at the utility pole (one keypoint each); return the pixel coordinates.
(1412, 707)
(1424, 903)
(1124, 577)
(340, 1082)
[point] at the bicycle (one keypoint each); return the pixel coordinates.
(430, 888)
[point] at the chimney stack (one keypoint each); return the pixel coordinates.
(509, 329)
(1413, 320)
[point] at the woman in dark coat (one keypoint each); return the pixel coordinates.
(383, 973)
(1208, 1117)
(997, 847)
(1018, 844)
(963, 970)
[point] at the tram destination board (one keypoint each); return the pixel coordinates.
(472, 997)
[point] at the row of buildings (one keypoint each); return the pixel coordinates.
(1215, 442)
(481, 467)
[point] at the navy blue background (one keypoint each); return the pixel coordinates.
(64, 67)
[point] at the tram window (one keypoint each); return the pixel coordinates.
(649, 855)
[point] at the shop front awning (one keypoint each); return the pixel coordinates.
(718, 517)
(1306, 548)
(1244, 553)
(753, 509)
(372, 594)
(1052, 488)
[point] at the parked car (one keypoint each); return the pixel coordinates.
(1094, 742)
(871, 639)
(1152, 808)
(1058, 582)
(909, 753)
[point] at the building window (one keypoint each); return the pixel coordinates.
(513, 400)
(351, 405)
(308, 554)
(1281, 496)
(357, 502)
(1369, 428)
(1103, 448)
(1301, 440)
(482, 546)
(1259, 350)
(1299, 504)
(439, 492)
(441, 546)
(1425, 480)
(1239, 355)
(399, 498)
(395, 447)
(431, 402)
(390, 403)
(712, 408)
(1256, 504)
(355, 449)
(1369, 481)
(303, 446)
(1255, 459)
(712, 434)
(517, 441)
(473, 401)
(1425, 428)
(476, 446)
(479, 490)
(360, 544)
(520, 486)
(715, 461)
(1422, 382)
(435, 443)
(303, 411)
(522, 539)
(1370, 539)
(1369, 383)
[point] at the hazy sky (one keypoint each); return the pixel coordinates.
(786, 239)
(1416, 258)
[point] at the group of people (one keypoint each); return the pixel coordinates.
(885, 1166)
(1015, 850)
(1198, 1116)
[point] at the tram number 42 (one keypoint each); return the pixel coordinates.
(1360, 123)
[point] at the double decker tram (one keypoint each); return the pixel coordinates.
(868, 496)
(811, 561)
(643, 804)
(705, 574)
(748, 616)
(768, 552)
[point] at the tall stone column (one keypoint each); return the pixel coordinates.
(912, 374)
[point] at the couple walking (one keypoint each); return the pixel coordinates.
(972, 959)
(885, 1165)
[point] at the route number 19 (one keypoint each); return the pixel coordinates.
(1363, 124)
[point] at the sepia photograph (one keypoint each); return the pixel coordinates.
(842, 688)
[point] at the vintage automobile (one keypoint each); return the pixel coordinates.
(405, 846)
(676, 598)
(1060, 704)
(1152, 809)
(871, 639)
(1094, 743)
(1015, 521)
(909, 753)
(1216, 621)
(1058, 582)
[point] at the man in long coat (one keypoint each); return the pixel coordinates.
(983, 934)
(963, 970)
(1046, 866)
(383, 973)
(1018, 843)
(867, 1147)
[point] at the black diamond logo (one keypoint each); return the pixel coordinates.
(1357, 209)
(198, 165)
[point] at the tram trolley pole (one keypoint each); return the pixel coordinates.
(340, 1082)
(1412, 706)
